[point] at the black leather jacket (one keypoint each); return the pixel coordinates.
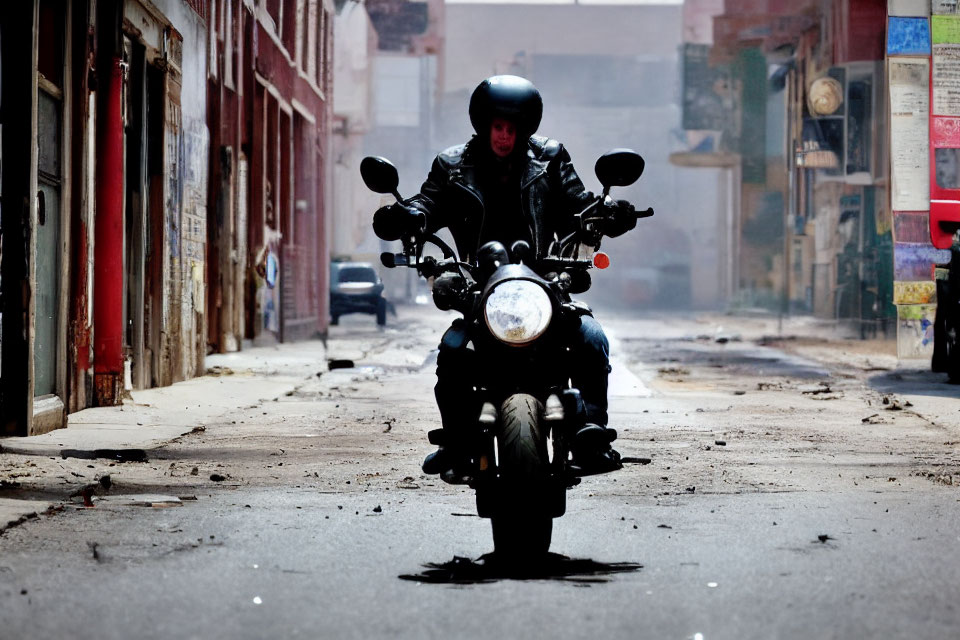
(551, 194)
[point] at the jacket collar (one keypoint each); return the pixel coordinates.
(535, 167)
(468, 164)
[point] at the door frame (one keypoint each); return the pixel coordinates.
(49, 411)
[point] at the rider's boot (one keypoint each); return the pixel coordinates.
(440, 460)
(449, 462)
(592, 452)
(591, 448)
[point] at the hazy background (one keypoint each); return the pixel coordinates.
(610, 77)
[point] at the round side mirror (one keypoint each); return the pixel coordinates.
(619, 168)
(379, 175)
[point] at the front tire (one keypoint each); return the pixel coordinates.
(520, 532)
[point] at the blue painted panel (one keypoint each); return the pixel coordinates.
(908, 36)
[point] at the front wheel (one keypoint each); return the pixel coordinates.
(521, 531)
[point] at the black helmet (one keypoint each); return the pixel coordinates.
(510, 97)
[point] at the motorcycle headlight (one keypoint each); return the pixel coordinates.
(518, 311)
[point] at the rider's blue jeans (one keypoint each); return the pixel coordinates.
(456, 369)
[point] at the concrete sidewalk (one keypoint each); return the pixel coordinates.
(154, 417)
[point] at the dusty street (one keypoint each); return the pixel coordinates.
(802, 487)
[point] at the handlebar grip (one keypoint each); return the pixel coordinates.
(391, 260)
(645, 214)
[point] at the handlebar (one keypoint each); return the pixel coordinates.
(428, 266)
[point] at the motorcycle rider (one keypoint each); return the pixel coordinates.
(506, 184)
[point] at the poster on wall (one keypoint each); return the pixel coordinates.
(909, 81)
(920, 292)
(911, 227)
(708, 95)
(908, 7)
(915, 331)
(945, 7)
(946, 80)
(908, 36)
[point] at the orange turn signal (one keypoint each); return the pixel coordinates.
(601, 260)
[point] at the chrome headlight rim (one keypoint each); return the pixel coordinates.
(532, 296)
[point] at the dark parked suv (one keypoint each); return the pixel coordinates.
(355, 287)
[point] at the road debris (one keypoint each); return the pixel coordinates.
(340, 363)
(219, 370)
(87, 491)
(895, 404)
(216, 477)
(95, 551)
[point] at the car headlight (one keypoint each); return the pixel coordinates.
(518, 311)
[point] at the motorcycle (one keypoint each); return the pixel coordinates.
(517, 311)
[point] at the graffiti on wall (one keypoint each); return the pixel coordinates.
(915, 330)
(916, 261)
(195, 144)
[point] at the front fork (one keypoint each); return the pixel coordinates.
(564, 414)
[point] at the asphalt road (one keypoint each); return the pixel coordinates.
(822, 514)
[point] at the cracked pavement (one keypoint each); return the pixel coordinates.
(789, 486)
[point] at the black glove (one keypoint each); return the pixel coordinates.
(397, 221)
(622, 218)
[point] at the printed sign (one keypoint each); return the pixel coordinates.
(946, 80)
(915, 261)
(945, 132)
(912, 227)
(945, 29)
(908, 8)
(908, 36)
(915, 292)
(945, 6)
(909, 82)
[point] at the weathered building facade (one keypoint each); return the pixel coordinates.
(166, 158)
(101, 290)
(789, 98)
(355, 43)
(269, 95)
